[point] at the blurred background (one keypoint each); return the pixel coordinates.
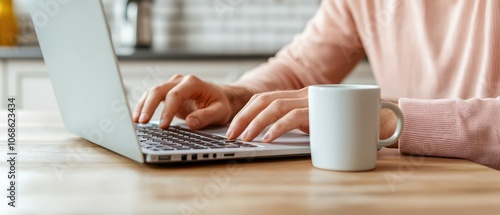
(217, 40)
(260, 25)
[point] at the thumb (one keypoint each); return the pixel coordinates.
(215, 114)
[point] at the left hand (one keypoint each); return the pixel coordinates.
(288, 110)
(388, 123)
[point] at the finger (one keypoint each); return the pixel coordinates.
(189, 88)
(155, 96)
(304, 128)
(139, 105)
(294, 119)
(271, 114)
(287, 93)
(253, 108)
(176, 78)
(215, 114)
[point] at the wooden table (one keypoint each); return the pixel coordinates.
(60, 173)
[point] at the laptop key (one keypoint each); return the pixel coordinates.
(178, 138)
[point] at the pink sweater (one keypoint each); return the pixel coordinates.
(441, 58)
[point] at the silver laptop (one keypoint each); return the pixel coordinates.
(83, 68)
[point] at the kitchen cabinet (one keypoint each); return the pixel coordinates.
(28, 81)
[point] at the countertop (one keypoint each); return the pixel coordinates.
(60, 173)
(131, 54)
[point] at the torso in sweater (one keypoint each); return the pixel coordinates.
(431, 49)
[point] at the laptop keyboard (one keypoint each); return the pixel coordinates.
(177, 138)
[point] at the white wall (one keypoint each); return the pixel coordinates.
(264, 25)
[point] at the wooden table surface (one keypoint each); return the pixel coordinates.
(59, 173)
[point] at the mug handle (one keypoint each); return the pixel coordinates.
(399, 129)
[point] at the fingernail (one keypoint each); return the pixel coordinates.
(267, 137)
(229, 133)
(136, 114)
(143, 117)
(194, 122)
(162, 123)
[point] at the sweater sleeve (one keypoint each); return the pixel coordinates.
(325, 52)
(467, 129)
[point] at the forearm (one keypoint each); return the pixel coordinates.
(468, 129)
(324, 53)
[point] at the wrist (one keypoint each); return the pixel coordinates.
(237, 97)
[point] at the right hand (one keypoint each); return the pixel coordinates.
(198, 102)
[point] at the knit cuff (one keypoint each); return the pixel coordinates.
(431, 128)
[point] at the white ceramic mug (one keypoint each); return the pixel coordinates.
(344, 126)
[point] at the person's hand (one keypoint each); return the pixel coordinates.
(288, 110)
(388, 123)
(198, 102)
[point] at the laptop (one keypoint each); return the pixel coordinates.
(83, 68)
